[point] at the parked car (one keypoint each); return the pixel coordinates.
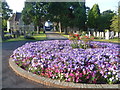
(48, 26)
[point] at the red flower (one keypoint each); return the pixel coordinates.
(92, 38)
(86, 36)
(42, 74)
(79, 38)
(77, 35)
(70, 35)
(118, 56)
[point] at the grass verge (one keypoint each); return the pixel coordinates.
(37, 37)
(67, 36)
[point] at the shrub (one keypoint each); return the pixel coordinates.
(29, 37)
(85, 41)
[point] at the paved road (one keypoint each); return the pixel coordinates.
(54, 36)
(9, 77)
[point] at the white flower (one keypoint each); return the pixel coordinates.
(109, 72)
(105, 76)
(56, 76)
(114, 72)
(53, 77)
(35, 68)
(117, 78)
(110, 79)
(61, 74)
(30, 68)
(42, 66)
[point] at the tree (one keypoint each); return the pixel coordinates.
(64, 14)
(114, 25)
(68, 14)
(57, 12)
(105, 20)
(80, 15)
(35, 13)
(6, 12)
(26, 16)
(93, 17)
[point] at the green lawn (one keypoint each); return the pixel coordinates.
(67, 36)
(41, 36)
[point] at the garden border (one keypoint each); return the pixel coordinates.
(57, 83)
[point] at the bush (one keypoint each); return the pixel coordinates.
(29, 37)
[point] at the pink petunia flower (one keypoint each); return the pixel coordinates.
(71, 74)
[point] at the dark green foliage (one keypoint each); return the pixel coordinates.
(6, 12)
(67, 13)
(106, 19)
(80, 15)
(29, 37)
(34, 12)
(93, 17)
(26, 16)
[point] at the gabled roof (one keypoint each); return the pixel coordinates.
(18, 16)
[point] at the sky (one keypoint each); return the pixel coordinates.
(17, 5)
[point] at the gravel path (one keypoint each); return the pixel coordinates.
(9, 77)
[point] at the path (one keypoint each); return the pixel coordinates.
(9, 77)
(54, 36)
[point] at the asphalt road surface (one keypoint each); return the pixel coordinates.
(54, 36)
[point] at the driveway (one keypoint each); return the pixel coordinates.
(54, 36)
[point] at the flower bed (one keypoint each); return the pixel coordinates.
(58, 60)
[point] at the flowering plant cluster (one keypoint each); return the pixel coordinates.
(85, 41)
(58, 60)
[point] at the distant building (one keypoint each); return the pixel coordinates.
(15, 23)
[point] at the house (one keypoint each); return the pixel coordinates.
(15, 23)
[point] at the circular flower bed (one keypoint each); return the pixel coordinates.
(58, 60)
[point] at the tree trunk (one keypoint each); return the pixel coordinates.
(60, 27)
(66, 31)
(2, 34)
(38, 30)
(24, 31)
